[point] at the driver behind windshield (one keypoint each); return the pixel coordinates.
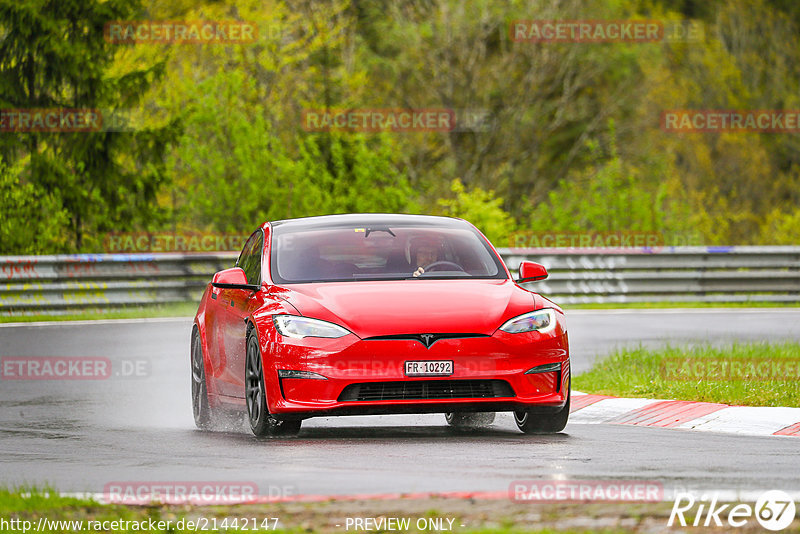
(423, 253)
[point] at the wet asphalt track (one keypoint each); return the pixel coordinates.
(80, 435)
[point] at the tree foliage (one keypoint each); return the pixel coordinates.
(482, 208)
(53, 56)
(32, 220)
(570, 134)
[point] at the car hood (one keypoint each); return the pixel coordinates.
(412, 306)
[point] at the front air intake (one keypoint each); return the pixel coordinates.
(426, 390)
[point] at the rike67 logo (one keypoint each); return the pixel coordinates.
(774, 510)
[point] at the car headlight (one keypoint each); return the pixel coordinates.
(542, 321)
(300, 327)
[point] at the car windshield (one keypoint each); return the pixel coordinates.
(374, 251)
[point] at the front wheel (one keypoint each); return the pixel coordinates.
(550, 423)
(469, 420)
(262, 423)
(200, 406)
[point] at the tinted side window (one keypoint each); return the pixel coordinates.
(248, 245)
(250, 260)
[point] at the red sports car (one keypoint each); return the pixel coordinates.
(377, 314)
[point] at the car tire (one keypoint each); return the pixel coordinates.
(262, 423)
(203, 415)
(469, 420)
(538, 423)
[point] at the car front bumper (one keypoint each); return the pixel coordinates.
(367, 376)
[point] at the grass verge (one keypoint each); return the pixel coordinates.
(176, 309)
(464, 516)
(746, 374)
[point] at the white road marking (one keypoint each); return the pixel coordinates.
(607, 409)
(749, 420)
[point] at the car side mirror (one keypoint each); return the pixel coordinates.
(530, 271)
(233, 278)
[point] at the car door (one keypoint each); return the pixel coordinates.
(235, 306)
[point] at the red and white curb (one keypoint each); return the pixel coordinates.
(704, 416)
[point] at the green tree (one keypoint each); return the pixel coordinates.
(482, 208)
(781, 228)
(243, 172)
(611, 197)
(32, 221)
(539, 103)
(53, 55)
(244, 156)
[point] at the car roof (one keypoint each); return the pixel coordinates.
(363, 219)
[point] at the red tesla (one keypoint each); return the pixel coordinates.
(377, 314)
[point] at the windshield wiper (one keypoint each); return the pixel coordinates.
(443, 274)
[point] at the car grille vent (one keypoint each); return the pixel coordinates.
(425, 339)
(426, 389)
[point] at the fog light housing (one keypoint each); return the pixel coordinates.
(291, 373)
(546, 368)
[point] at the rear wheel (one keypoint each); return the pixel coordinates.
(261, 422)
(469, 420)
(539, 423)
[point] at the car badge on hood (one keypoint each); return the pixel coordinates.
(428, 340)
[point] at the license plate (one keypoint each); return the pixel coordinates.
(429, 368)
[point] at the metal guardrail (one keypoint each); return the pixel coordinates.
(672, 274)
(35, 284)
(60, 283)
